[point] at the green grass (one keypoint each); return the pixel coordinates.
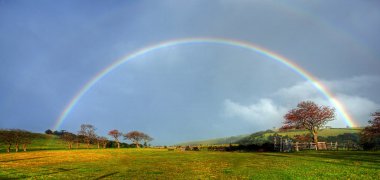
(44, 142)
(163, 164)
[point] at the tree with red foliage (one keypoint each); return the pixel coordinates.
(116, 134)
(370, 136)
(309, 116)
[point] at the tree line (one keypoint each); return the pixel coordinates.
(16, 137)
(87, 135)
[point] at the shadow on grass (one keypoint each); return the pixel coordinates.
(25, 159)
(275, 155)
(59, 170)
(370, 157)
(369, 160)
(107, 175)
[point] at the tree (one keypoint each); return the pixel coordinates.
(48, 131)
(103, 141)
(309, 116)
(135, 137)
(370, 136)
(26, 138)
(87, 131)
(116, 134)
(69, 138)
(6, 137)
(146, 138)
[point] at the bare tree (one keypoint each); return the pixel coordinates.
(146, 138)
(135, 137)
(87, 131)
(116, 134)
(310, 116)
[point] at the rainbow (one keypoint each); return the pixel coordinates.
(223, 41)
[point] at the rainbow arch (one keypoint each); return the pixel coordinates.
(223, 41)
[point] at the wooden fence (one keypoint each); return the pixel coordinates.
(287, 145)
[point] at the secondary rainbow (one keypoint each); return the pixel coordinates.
(223, 41)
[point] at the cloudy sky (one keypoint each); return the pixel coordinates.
(50, 49)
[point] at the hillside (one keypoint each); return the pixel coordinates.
(225, 140)
(44, 142)
(263, 136)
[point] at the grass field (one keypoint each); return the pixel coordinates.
(163, 164)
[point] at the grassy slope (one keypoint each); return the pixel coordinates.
(44, 142)
(163, 164)
(225, 140)
(233, 139)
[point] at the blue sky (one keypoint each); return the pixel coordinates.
(50, 49)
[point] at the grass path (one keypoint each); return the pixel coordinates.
(163, 164)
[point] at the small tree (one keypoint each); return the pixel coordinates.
(26, 138)
(6, 137)
(146, 138)
(103, 141)
(310, 116)
(48, 131)
(116, 134)
(69, 138)
(370, 136)
(87, 131)
(135, 137)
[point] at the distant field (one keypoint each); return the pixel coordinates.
(163, 164)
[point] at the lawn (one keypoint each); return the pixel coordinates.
(163, 164)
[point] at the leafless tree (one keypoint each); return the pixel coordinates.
(116, 134)
(310, 116)
(87, 131)
(146, 138)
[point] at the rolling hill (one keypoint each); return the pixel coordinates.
(263, 136)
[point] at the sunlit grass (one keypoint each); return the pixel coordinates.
(163, 164)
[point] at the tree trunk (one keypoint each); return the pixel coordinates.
(17, 147)
(77, 145)
(315, 139)
(9, 148)
(24, 147)
(98, 145)
(137, 145)
(104, 145)
(118, 145)
(88, 145)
